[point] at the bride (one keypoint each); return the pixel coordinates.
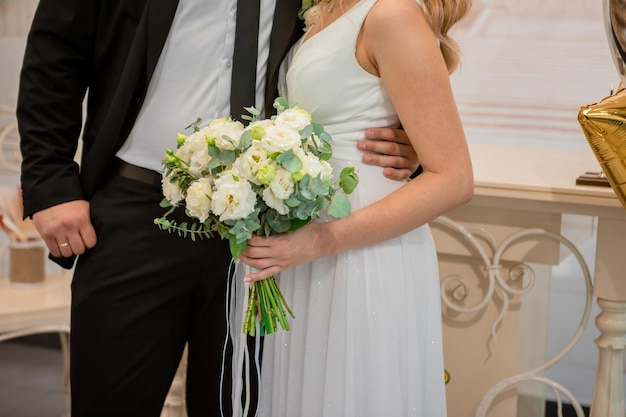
(367, 340)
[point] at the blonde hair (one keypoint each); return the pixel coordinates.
(442, 15)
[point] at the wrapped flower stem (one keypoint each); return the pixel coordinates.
(267, 304)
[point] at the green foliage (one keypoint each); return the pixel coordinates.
(194, 231)
(348, 179)
(289, 161)
(339, 206)
(195, 125)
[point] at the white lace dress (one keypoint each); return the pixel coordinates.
(366, 340)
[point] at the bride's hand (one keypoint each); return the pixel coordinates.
(390, 149)
(270, 255)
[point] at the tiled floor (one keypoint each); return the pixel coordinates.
(31, 381)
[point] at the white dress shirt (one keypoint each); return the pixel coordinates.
(192, 77)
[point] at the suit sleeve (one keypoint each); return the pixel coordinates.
(55, 76)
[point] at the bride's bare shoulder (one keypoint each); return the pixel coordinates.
(399, 16)
(392, 10)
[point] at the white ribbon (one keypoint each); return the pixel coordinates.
(235, 294)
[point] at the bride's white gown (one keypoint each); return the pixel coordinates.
(366, 340)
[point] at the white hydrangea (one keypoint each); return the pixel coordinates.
(233, 198)
(198, 200)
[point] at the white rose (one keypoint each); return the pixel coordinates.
(232, 199)
(198, 200)
(249, 162)
(195, 152)
(280, 138)
(274, 202)
(265, 124)
(282, 185)
(171, 190)
(222, 127)
(312, 165)
(294, 118)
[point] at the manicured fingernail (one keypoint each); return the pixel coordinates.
(247, 279)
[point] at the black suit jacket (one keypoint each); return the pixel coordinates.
(108, 48)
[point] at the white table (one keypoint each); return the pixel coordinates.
(41, 308)
(36, 309)
(520, 188)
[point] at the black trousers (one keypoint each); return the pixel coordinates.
(137, 297)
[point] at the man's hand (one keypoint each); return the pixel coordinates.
(66, 228)
(392, 150)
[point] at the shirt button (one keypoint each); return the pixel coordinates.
(229, 64)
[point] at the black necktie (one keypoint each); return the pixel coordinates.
(243, 84)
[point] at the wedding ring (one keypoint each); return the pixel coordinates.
(62, 245)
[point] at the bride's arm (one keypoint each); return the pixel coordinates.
(407, 57)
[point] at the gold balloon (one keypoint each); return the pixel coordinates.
(604, 125)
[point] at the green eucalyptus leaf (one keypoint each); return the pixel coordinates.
(339, 206)
(306, 194)
(195, 125)
(213, 151)
(298, 223)
(320, 186)
(307, 131)
(322, 204)
(236, 248)
(278, 222)
(253, 111)
(305, 210)
(325, 153)
(280, 104)
(292, 201)
(318, 129)
(326, 138)
(245, 140)
(289, 161)
(348, 179)
(165, 203)
(227, 157)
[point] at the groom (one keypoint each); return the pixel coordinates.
(139, 294)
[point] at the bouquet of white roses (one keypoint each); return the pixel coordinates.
(271, 176)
